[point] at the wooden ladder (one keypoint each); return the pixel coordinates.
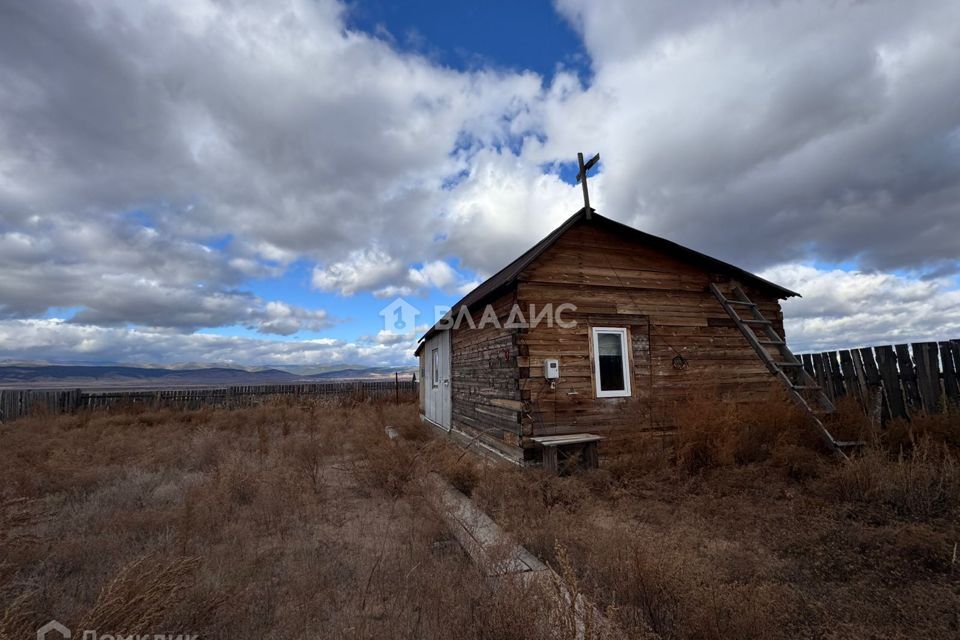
(801, 386)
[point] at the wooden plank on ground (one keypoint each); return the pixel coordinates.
(478, 534)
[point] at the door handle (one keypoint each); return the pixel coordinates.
(446, 383)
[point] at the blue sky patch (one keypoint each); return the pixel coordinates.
(498, 33)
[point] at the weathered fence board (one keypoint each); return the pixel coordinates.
(870, 369)
(950, 360)
(928, 375)
(836, 377)
(821, 375)
(849, 376)
(807, 360)
(922, 377)
(887, 363)
(908, 377)
(17, 403)
(860, 374)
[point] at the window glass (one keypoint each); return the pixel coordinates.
(611, 362)
(436, 367)
(610, 354)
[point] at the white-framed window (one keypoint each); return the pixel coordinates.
(435, 359)
(611, 364)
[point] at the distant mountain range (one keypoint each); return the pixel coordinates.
(116, 376)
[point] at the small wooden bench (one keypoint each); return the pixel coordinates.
(559, 452)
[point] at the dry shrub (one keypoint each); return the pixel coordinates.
(308, 457)
(629, 459)
(921, 483)
(20, 617)
(239, 480)
(915, 543)
(850, 421)
(713, 430)
(800, 463)
(941, 428)
(532, 492)
(537, 507)
(413, 431)
(204, 450)
(656, 586)
(141, 594)
(703, 556)
(388, 465)
(459, 467)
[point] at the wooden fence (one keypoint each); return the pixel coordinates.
(909, 379)
(24, 402)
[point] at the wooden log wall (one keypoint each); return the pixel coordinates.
(666, 304)
(484, 379)
(18, 403)
(906, 379)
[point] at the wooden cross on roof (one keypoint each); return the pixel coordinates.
(582, 179)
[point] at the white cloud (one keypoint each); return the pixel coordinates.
(503, 206)
(843, 309)
(155, 157)
(283, 319)
(362, 270)
(765, 132)
(55, 340)
(386, 277)
(437, 274)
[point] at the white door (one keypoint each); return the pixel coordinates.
(437, 399)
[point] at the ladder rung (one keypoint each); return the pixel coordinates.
(777, 368)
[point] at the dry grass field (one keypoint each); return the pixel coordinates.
(289, 521)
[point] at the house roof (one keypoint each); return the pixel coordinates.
(507, 276)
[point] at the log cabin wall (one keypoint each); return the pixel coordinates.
(484, 375)
(668, 309)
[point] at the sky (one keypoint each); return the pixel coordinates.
(251, 183)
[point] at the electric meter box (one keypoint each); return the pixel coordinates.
(551, 368)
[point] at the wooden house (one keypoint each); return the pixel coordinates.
(650, 328)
